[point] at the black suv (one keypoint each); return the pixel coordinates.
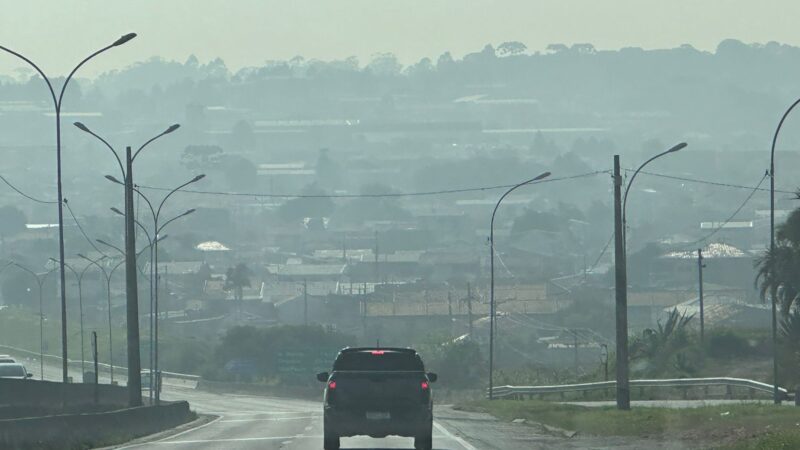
(378, 392)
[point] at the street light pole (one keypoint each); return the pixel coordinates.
(132, 300)
(57, 103)
(79, 278)
(156, 215)
(40, 279)
(491, 270)
(776, 396)
(700, 266)
(621, 276)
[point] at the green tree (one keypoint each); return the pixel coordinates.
(511, 48)
(236, 279)
(12, 221)
(313, 205)
(778, 269)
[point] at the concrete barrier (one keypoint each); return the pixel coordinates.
(34, 393)
(92, 429)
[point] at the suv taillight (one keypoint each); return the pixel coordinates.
(332, 385)
(425, 385)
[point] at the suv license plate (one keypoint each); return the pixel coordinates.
(378, 415)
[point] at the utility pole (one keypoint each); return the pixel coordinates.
(621, 285)
(377, 268)
(96, 373)
(469, 309)
(134, 362)
(449, 305)
(305, 302)
(700, 266)
(575, 340)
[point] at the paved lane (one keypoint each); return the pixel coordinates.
(253, 422)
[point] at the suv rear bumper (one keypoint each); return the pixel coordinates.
(408, 423)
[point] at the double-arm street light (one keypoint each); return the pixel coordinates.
(57, 103)
(154, 280)
(491, 289)
(132, 313)
(107, 275)
(79, 278)
(621, 277)
(776, 395)
(40, 279)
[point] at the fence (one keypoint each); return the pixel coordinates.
(683, 384)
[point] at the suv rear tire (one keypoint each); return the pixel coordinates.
(331, 442)
(423, 442)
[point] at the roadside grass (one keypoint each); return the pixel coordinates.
(736, 426)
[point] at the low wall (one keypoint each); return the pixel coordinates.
(90, 430)
(33, 393)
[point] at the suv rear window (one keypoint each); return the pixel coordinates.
(378, 360)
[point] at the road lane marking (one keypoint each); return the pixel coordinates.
(172, 436)
(205, 441)
(268, 419)
(452, 436)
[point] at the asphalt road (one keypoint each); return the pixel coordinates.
(246, 421)
(257, 422)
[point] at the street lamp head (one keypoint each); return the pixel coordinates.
(100, 241)
(188, 212)
(677, 147)
(198, 178)
(172, 128)
(124, 39)
(82, 127)
(112, 179)
(542, 176)
(161, 238)
(117, 211)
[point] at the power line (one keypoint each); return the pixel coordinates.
(29, 197)
(394, 194)
(722, 225)
(81, 228)
(712, 183)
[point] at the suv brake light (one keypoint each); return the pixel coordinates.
(332, 385)
(425, 385)
(378, 352)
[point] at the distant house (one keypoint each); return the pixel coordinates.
(724, 265)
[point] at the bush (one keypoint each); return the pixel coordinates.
(727, 343)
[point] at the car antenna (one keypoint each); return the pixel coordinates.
(379, 343)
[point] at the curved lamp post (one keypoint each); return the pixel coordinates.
(621, 277)
(132, 295)
(776, 397)
(79, 278)
(57, 103)
(156, 214)
(491, 290)
(40, 279)
(107, 275)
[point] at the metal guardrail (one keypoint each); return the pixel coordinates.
(77, 363)
(682, 383)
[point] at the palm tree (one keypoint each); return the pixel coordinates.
(779, 271)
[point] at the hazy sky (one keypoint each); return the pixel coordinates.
(58, 33)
